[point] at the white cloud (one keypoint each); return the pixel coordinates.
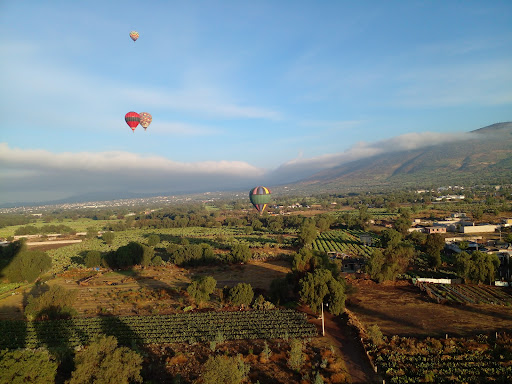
(66, 174)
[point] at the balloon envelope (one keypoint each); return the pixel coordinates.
(145, 119)
(132, 119)
(260, 197)
(134, 35)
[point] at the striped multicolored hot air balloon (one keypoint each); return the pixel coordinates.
(260, 197)
(134, 35)
(145, 119)
(132, 119)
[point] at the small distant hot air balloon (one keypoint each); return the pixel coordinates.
(260, 197)
(132, 119)
(145, 119)
(134, 35)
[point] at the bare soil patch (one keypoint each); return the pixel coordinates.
(257, 273)
(401, 309)
(185, 360)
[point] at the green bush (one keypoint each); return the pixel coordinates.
(55, 303)
(103, 362)
(201, 289)
(27, 366)
(27, 266)
(241, 294)
(225, 370)
(92, 259)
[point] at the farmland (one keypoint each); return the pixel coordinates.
(468, 293)
(149, 305)
(343, 241)
(451, 360)
(401, 309)
(176, 328)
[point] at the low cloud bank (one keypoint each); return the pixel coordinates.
(39, 175)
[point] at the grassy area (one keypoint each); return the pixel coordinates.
(79, 225)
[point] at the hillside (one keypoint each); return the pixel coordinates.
(484, 157)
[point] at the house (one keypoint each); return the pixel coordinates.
(431, 230)
(507, 223)
(486, 228)
(366, 239)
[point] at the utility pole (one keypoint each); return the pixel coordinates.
(323, 324)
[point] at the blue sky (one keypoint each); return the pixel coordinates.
(241, 92)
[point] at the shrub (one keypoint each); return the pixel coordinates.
(27, 366)
(27, 266)
(104, 362)
(108, 237)
(92, 259)
(296, 356)
(225, 370)
(153, 240)
(201, 289)
(241, 294)
(55, 303)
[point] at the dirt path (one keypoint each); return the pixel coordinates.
(346, 340)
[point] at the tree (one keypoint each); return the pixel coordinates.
(103, 362)
(433, 246)
(321, 287)
(225, 370)
(91, 233)
(478, 267)
(92, 259)
(296, 358)
(390, 238)
(153, 240)
(241, 294)
(240, 253)
(256, 224)
(27, 266)
(201, 289)
(147, 255)
(55, 303)
(387, 264)
(108, 237)
(375, 334)
(363, 217)
(402, 225)
(23, 366)
(307, 233)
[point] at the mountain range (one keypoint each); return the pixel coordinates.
(482, 156)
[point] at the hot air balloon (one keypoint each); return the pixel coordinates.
(132, 119)
(145, 119)
(260, 197)
(134, 35)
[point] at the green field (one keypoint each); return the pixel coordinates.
(182, 327)
(343, 241)
(79, 225)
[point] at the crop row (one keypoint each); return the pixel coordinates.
(467, 293)
(341, 241)
(183, 327)
(469, 367)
